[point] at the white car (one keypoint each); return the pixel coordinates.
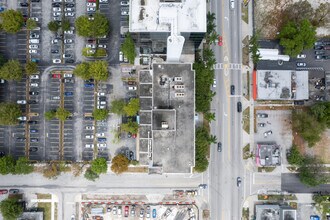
(102, 46)
(89, 136)
(93, 46)
(124, 12)
(101, 107)
(267, 133)
(68, 32)
(34, 77)
(101, 145)
(33, 46)
(34, 85)
(90, 4)
(214, 83)
(57, 9)
(301, 56)
(91, 9)
(57, 61)
(89, 145)
(55, 41)
(22, 118)
(21, 102)
(34, 18)
(89, 127)
(32, 51)
(57, 0)
(67, 75)
(57, 14)
(100, 134)
(68, 41)
(232, 4)
(69, 9)
(69, 14)
(101, 94)
(132, 88)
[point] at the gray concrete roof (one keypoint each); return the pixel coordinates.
(32, 216)
(268, 154)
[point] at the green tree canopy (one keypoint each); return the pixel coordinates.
(295, 157)
(100, 25)
(202, 143)
(12, 70)
(53, 26)
(133, 107)
(117, 106)
(100, 114)
(90, 175)
(10, 209)
(253, 48)
(83, 26)
(23, 166)
(62, 114)
(31, 24)
(130, 126)
(99, 70)
(65, 24)
(82, 70)
(312, 172)
(295, 37)
(11, 21)
(99, 165)
(7, 165)
(321, 111)
(119, 164)
(128, 48)
(31, 68)
(50, 115)
(9, 112)
(3, 60)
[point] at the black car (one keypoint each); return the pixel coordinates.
(24, 4)
(239, 181)
(69, 5)
(32, 102)
(13, 191)
(101, 139)
(33, 93)
(68, 81)
(2, 153)
(219, 147)
(34, 139)
(54, 51)
(33, 149)
(35, 0)
(232, 90)
(102, 98)
(89, 81)
(89, 118)
(56, 4)
(261, 124)
(239, 106)
(32, 122)
(22, 122)
(318, 47)
(69, 61)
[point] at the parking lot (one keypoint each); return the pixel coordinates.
(275, 128)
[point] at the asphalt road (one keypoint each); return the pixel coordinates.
(226, 197)
(291, 184)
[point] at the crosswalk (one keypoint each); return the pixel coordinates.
(231, 66)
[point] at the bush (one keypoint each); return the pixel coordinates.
(312, 172)
(90, 175)
(295, 157)
(53, 26)
(31, 68)
(51, 171)
(119, 164)
(7, 165)
(50, 115)
(100, 114)
(10, 208)
(99, 165)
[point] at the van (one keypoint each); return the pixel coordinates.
(121, 56)
(34, 41)
(232, 4)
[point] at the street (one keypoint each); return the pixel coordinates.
(226, 196)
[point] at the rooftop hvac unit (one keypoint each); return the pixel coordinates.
(179, 94)
(164, 125)
(177, 79)
(178, 86)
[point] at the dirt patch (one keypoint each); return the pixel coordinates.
(137, 170)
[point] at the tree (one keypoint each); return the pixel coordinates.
(12, 70)
(295, 157)
(213, 139)
(307, 126)
(9, 112)
(99, 70)
(83, 26)
(298, 11)
(321, 15)
(100, 114)
(202, 143)
(65, 24)
(253, 48)
(51, 171)
(7, 165)
(31, 24)
(128, 48)
(313, 172)
(132, 107)
(295, 37)
(82, 70)
(321, 111)
(100, 25)
(117, 106)
(99, 165)
(11, 21)
(50, 115)
(3, 60)
(31, 68)
(90, 175)
(62, 114)
(119, 164)
(53, 26)
(23, 166)
(130, 126)
(209, 116)
(10, 208)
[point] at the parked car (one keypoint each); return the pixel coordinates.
(57, 61)
(32, 122)
(21, 102)
(33, 149)
(114, 210)
(319, 52)
(301, 64)
(33, 46)
(101, 139)
(220, 41)
(89, 136)
(34, 139)
(261, 124)
(33, 131)
(154, 213)
(214, 83)
(89, 127)
(13, 191)
(91, 4)
(91, 9)
(33, 93)
(126, 211)
(202, 186)
(33, 51)
(34, 77)
(101, 145)
(65, 56)
(267, 133)
(301, 56)
(3, 191)
(68, 41)
(69, 14)
(68, 81)
(262, 115)
(69, 9)
(232, 90)
(56, 76)
(68, 94)
(24, 4)
(34, 85)
(89, 145)
(22, 118)
(124, 3)
(89, 85)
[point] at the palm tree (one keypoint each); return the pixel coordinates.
(213, 139)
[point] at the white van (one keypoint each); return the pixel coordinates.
(232, 4)
(34, 41)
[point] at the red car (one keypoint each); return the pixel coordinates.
(3, 191)
(126, 211)
(91, 0)
(220, 40)
(133, 135)
(56, 76)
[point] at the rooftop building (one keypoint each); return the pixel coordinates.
(268, 154)
(167, 129)
(275, 212)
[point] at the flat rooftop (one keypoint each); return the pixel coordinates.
(268, 154)
(282, 85)
(157, 16)
(173, 126)
(268, 212)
